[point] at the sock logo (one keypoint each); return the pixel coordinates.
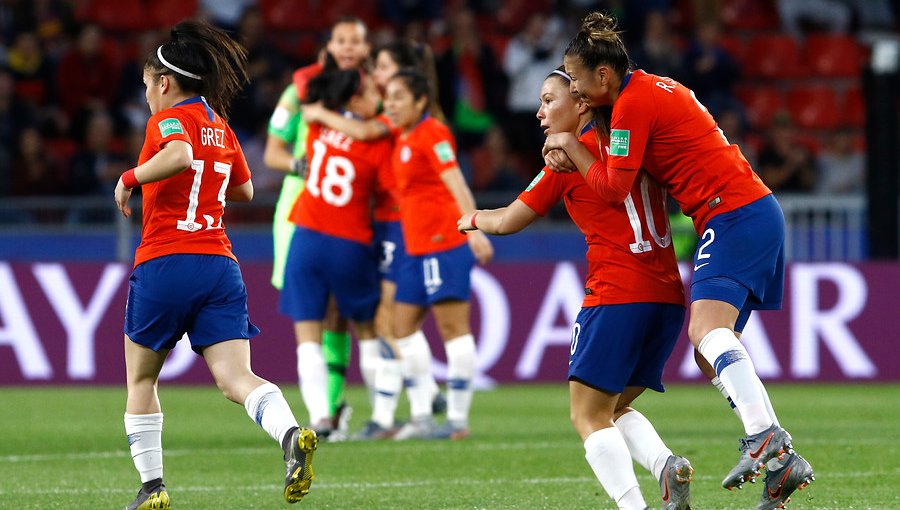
(728, 358)
(133, 438)
(260, 410)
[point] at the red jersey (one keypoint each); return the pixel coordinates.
(343, 174)
(428, 212)
(386, 206)
(183, 213)
(658, 125)
(630, 254)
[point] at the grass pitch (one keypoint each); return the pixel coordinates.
(65, 448)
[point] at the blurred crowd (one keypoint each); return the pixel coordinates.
(72, 107)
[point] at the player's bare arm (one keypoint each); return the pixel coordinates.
(503, 221)
(456, 184)
(363, 130)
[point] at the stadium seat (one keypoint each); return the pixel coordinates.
(761, 103)
(167, 13)
(292, 15)
(814, 106)
(854, 111)
(773, 56)
(833, 55)
(734, 46)
(750, 15)
(117, 16)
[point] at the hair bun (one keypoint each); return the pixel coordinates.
(598, 26)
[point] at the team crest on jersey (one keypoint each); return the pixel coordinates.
(405, 154)
(537, 179)
(170, 127)
(444, 152)
(618, 142)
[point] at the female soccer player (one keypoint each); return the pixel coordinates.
(331, 251)
(285, 151)
(632, 313)
(658, 125)
(432, 194)
(414, 351)
(186, 279)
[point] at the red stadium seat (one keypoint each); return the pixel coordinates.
(292, 15)
(833, 55)
(814, 106)
(167, 13)
(761, 103)
(750, 15)
(734, 45)
(117, 15)
(773, 56)
(854, 112)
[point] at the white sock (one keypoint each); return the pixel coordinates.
(735, 369)
(388, 383)
(267, 407)
(369, 357)
(644, 443)
(607, 454)
(416, 364)
(460, 372)
(313, 381)
(144, 433)
(422, 352)
(721, 387)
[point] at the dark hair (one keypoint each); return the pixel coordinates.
(598, 43)
(202, 49)
(416, 82)
(414, 55)
(334, 87)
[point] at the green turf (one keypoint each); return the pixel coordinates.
(65, 448)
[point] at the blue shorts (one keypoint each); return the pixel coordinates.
(423, 280)
(319, 265)
(740, 259)
(389, 245)
(615, 346)
(201, 295)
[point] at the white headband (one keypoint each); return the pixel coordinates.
(175, 68)
(563, 74)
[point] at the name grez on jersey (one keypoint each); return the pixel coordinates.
(212, 137)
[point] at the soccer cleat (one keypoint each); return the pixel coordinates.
(373, 431)
(450, 431)
(794, 474)
(439, 404)
(418, 428)
(756, 450)
(675, 483)
(157, 499)
(298, 463)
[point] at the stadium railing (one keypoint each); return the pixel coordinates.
(819, 228)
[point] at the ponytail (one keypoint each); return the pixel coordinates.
(598, 43)
(203, 60)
